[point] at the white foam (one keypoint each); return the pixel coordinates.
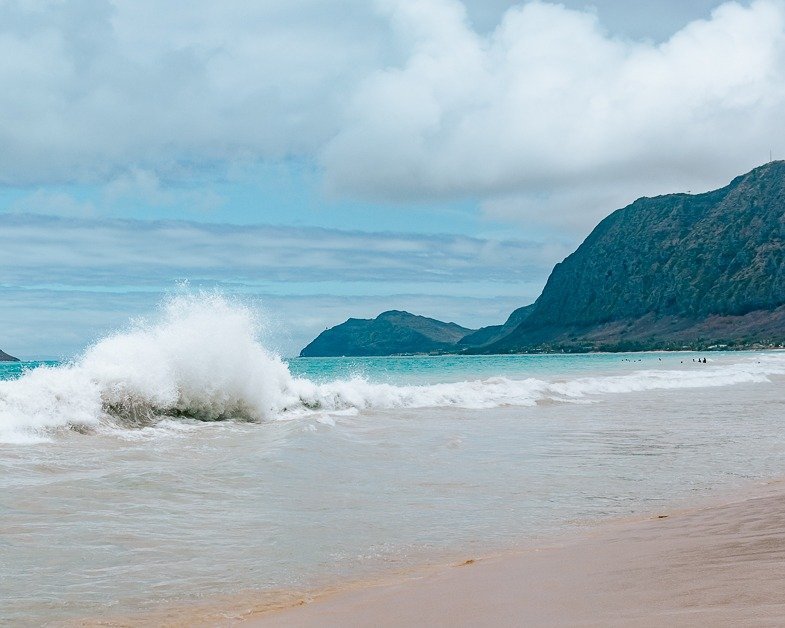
(201, 358)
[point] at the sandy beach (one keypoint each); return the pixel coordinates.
(716, 565)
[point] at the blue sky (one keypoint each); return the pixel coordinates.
(334, 159)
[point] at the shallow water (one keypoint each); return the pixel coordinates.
(384, 462)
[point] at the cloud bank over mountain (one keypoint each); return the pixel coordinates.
(548, 105)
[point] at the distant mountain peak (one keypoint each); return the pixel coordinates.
(391, 332)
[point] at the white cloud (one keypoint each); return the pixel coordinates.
(397, 99)
(549, 105)
(93, 88)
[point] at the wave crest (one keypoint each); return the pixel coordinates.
(199, 358)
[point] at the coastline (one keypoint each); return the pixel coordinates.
(713, 349)
(718, 564)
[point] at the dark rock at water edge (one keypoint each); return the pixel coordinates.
(4, 357)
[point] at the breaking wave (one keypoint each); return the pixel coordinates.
(201, 358)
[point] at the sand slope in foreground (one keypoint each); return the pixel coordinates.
(722, 565)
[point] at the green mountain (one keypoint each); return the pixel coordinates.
(389, 333)
(4, 357)
(668, 272)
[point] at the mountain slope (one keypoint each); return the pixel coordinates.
(671, 270)
(390, 333)
(489, 335)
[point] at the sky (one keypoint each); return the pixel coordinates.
(325, 159)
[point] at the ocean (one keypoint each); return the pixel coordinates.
(179, 462)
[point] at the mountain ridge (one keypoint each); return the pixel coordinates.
(673, 271)
(392, 332)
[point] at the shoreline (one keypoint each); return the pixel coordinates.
(717, 563)
(712, 349)
(652, 568)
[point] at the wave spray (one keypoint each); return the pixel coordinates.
(201, 358)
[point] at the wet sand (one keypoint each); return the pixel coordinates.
(720, 565)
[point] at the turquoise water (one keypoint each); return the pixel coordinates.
(440, 369)
(13, 370)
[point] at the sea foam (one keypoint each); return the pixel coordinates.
(201, 358)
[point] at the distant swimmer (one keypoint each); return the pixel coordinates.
(704, 360)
